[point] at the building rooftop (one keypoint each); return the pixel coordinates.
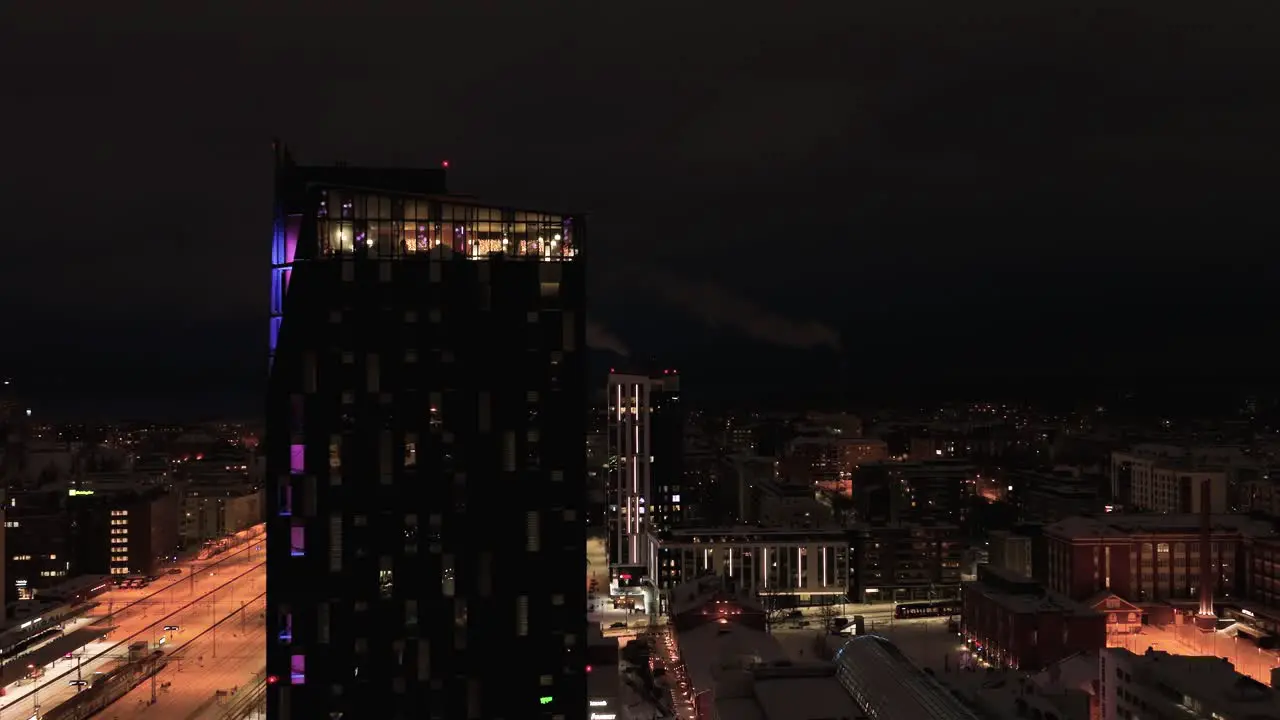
(903, 526)
(712, 650)
(1064, 490)
(700, 593)
(747, 533)
(1020, 594)
(887, 686)
(1119, 526)
(835, 440)
(1028, 603)
(808, 691)
(1210, 682)
(1010, 695)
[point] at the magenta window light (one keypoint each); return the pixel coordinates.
(298, 670)
(297, 459)
(292, 227)
(297, 541)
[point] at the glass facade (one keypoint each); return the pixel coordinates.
(885, 684)
(387, 226)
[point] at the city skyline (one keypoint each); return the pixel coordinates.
(684, 362)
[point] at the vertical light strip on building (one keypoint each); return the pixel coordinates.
(799, 567)
(764, 566)
(824, 566)
(706, 558)
(730, 561)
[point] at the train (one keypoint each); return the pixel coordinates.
(80, 589)
(16, 642)
(108, 688)
(929, 608)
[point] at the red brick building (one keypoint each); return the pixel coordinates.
(1147, 558)
(1010, 620)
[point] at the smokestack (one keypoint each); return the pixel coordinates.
(1205, 619)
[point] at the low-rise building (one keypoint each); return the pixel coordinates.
(897, 562)
(796, 566)
(1009, 551)
(737, 671)
(124, 533)
(37, 542)
(790, 505)
(1167, 479)
(1049, 496)
(211, 511)
(1010, 620)
(931, 491)
(1159, 685)
(1007, 694)
(1147, 558)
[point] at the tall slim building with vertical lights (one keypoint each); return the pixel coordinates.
(425, 425)
(646, 451)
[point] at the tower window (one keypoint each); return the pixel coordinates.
(286, 627)
(286, 497)
(297, 540)
(386, 578)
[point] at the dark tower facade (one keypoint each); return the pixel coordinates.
(671, 500)
(424, 442)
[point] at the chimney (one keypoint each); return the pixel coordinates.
(1205, 619)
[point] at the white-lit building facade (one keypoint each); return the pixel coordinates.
(807, 566)
(645, 431)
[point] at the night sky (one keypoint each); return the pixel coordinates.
(902, 193)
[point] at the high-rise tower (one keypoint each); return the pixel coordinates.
(646, 450)
(424, 444)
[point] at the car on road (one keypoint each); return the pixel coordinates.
(617, 625)
(175, 571)
(171, 628)
(77, 683)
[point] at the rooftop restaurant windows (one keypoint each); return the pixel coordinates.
(387, 227)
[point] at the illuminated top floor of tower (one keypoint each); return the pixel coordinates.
(407, 214)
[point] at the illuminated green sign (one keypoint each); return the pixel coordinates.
(545, 699)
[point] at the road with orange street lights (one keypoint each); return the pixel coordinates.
(190, 601)
(683, 693)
